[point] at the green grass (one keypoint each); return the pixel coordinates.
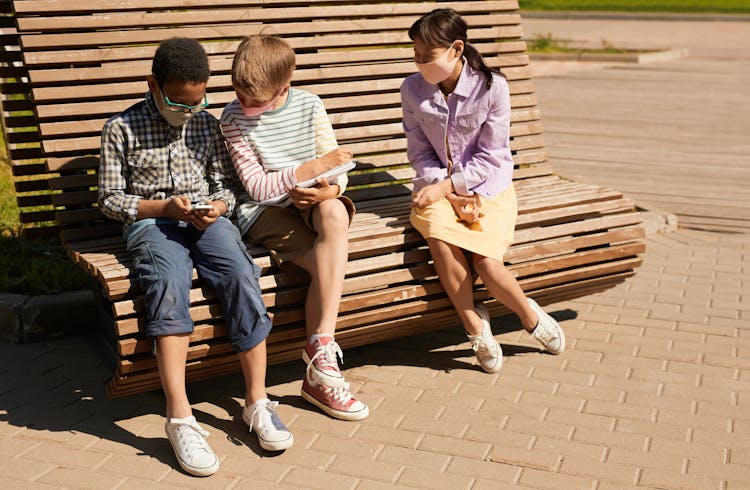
(37, 267)
(547, 44)
(9, 225)
(679, 6)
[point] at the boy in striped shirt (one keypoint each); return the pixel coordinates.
(278, 136)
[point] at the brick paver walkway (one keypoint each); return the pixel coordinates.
(653, 391)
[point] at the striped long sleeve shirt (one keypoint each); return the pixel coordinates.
(266, 149)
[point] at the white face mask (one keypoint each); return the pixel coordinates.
(436, 71)
(175, 118)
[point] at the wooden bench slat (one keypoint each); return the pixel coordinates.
(117, 281)
(535, 252)
(376, 129)
(71, 7)
(63, 128)
(397, 27)
(217, 15)
(72, 56)
(282, 352)
(396, 70)
(483, 39)
(130, 346)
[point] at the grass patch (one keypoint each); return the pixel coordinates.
(9, 224)
(547, 44)
(37, 267)
(676, 6)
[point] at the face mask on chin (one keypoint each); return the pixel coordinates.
(257, 110)
(175, 118)
(254, 111)
(437, 71)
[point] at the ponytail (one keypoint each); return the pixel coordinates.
(477, 62)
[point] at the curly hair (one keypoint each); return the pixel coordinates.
(180, 59)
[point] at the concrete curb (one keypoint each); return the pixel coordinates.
(660, 16)
(657, 220)
(31, 318)
(648, 57)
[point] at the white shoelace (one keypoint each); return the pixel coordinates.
(482, 348)
(340, 394)
(328, 355)
(192, 436)
(544, 332)
(266, 415)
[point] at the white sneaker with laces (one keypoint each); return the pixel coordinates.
(548, 332)
(488, 351)
(262, 419)
(190, 446)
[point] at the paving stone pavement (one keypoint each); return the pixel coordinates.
(653, 391)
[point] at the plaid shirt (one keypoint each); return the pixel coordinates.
(143, 157)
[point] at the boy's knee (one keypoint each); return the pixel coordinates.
(333, 213)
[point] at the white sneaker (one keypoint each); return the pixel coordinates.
(190, 446)
(262, 419)
(548, 332)
(488, 351)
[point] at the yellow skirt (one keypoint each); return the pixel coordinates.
(490, 237)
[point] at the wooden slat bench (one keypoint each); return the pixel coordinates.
(80, 62)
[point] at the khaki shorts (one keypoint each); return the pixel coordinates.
(288, 232)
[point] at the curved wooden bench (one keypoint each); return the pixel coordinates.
(80, 62)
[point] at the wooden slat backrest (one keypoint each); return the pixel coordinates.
(88, 60)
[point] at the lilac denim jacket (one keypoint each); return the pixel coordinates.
(477, 123)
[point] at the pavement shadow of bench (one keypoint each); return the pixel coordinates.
(68, 65)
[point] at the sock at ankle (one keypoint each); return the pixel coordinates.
(317, 336)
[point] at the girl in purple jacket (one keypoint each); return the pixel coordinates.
(457, 123)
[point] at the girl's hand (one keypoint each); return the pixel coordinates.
(308, 197)
(431, 194)
(467, 208)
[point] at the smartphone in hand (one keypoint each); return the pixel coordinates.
(202, 206)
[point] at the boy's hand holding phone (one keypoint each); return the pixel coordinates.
(204, 214)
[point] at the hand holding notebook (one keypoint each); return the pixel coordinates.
(328, 174)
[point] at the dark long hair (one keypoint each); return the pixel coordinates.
(441, 28)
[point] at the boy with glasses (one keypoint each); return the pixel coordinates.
(166, 174)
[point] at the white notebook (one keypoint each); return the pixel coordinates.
(328, 174)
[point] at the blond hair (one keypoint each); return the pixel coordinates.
(262, 65)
